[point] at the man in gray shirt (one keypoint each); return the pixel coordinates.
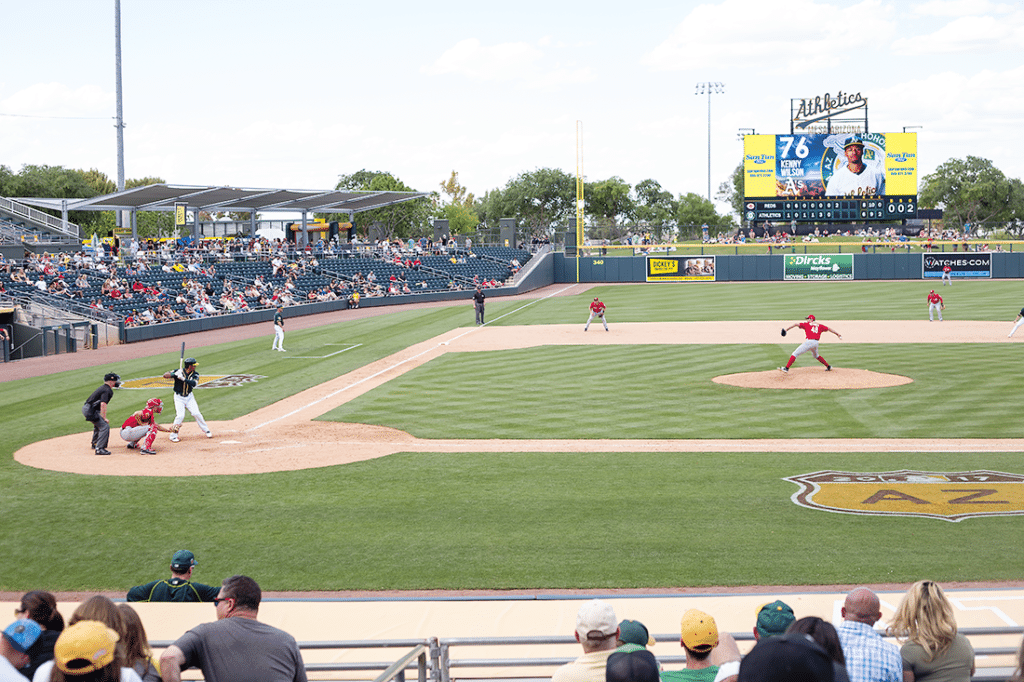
(237, 647)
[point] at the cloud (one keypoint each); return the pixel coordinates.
(967, 34)
(58, 100)
(960, 8)
(808, 36)
(521, 63)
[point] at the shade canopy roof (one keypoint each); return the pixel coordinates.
(211, 198)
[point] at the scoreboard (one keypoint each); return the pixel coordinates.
(827, 210)
(832, 177)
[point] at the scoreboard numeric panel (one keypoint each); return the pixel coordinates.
(825, 210)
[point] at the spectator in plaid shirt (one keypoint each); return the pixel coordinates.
(869, 658)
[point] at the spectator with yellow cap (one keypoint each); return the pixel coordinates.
(86, 651)
(705, 649)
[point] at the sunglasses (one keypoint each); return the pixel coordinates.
(218, 600)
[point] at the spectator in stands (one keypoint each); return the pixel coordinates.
(41, 284)
(925, 619)
(597, 632)
(137, 654)
(773, 619)
(17, 640)
(97, 609)
(178, 588)
(705, 649)
(353, 300)
(789, 658)
(824, 633)
(632, 665)
(236, 645)
(634, 632)
(869, 658)
(40, 607)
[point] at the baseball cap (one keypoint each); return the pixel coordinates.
(596, 621)
(22, 634)
(699, 631)
(811, 317)
(852, 140)
(110, 376)
(789, 658)
(183, 559)
(86, 646)
(774, 618)
(632, 666)
(635, 632)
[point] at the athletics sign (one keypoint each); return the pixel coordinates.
(950, 496)
(818, 266)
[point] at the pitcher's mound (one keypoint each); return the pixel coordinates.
(814, 378)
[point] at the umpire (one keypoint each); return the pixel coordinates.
(478, 304)
(179, 588)
(95, 410)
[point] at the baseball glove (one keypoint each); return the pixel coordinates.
(942, 307)
(174, 428)
(783, 331)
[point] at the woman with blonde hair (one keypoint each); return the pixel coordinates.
(98, 609)
(934, 650)
(137, 654)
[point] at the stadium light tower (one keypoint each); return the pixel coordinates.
(711, 88)
(120, 114)
(745, 131)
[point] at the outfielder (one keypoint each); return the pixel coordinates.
(947, 275)
(935, 305)
(596, 308)
(185, 381)
(1017, 322)
(278, 330)
(813, 332)
(142, 424)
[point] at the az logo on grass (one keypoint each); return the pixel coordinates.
(951, 496)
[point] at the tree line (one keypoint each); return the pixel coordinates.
(971, 190)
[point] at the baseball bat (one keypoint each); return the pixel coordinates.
(181, 362)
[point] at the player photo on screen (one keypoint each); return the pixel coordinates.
(837, 165)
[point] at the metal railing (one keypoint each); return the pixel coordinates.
(38, 217)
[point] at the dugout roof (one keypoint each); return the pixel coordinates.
(211, 198)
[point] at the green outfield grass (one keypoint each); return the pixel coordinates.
(415, 520)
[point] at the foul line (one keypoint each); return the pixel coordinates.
(402, 362)
(321, 357)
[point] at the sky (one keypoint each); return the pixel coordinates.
(295, 94)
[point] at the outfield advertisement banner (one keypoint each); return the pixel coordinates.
(962, 266)
(681, 269)
(819, 266)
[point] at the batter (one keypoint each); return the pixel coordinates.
(813, 332)
(185, 381)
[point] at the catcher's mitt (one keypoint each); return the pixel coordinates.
(175, 428)
(783, 331)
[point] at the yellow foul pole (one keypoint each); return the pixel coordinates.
(579, 195)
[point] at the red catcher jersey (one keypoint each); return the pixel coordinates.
(813, 330)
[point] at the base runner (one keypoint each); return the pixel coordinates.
(813, 332)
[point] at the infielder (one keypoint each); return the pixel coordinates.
(1017, 322)
(185, 381)
(947, 275)
(935, 305)
(278, 330)
(142, 424)
(813, 332)
(596, 308)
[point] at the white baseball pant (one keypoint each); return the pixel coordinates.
(182, 403)
(278, 338)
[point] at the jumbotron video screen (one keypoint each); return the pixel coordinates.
(833, 177)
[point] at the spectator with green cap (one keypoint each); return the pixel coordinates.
(773, 619)
(179, 587)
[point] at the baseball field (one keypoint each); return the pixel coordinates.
(550, 458)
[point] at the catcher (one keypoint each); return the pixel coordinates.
(813, 332)
(596, 308)
(935, 305)
(142, 424)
